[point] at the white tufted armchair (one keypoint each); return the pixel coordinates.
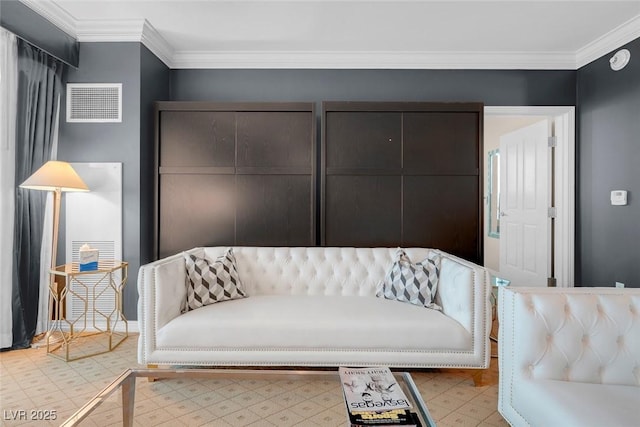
(569, 357)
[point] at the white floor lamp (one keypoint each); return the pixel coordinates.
(57, 177)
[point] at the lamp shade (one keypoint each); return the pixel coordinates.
(55, 175)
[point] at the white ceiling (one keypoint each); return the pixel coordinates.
(507, 34)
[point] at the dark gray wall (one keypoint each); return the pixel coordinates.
(608, 153)
(154, 86)
(144, 79)
(492, 87)
(114, 142)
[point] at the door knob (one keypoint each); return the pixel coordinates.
(502, 213)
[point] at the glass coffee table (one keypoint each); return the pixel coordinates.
(224, 397)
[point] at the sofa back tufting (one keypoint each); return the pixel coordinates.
(313, 270)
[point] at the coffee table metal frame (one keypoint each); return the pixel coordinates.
(126, 382)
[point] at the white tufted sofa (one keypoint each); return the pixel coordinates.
(315, 307)
(569, 357)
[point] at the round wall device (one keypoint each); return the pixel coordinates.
(620, 59)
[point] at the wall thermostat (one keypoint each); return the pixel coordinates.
(619, 197)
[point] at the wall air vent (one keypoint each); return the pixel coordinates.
(94, 102)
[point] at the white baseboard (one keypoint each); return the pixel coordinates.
(133, 326)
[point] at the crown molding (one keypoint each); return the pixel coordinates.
(99, 30)
(614, 39)
(54, 14)
(375, 60)
(142, 31)
(135, 30)
(152, 39)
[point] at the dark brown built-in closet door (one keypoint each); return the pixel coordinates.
(235, 174)
(402, 174)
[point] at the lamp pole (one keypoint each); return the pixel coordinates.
(57, 196)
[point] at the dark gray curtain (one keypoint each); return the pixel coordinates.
(39, 85)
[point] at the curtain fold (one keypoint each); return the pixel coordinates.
(39, 86)
(8, 101)
(47, 241)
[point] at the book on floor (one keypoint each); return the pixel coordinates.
(394, 417)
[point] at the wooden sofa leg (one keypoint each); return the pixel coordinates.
(152, 379)
(477, 378)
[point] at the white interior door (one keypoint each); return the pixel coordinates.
(525, 178)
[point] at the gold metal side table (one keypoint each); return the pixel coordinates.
(101, 329)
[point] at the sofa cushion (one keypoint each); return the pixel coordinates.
(415, 283)
(314, 322)
(575, 404)
(210, 282)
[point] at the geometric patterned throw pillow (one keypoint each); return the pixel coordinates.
(210, 282)
(413, 283)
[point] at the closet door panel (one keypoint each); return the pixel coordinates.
(363, 140)
(197, 139)
(274, 210)
(423, 191)
(441, 143)
(197, 210)
(234, 174)
(275, 139)
(363, 210)
(442, 212)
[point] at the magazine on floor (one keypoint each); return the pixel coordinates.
(372, 389)
(374, 398)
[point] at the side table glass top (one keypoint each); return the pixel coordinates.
(104, 266)
(228, 397)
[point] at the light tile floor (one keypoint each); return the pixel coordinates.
(36, 383)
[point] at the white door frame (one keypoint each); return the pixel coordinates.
(564, 118)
